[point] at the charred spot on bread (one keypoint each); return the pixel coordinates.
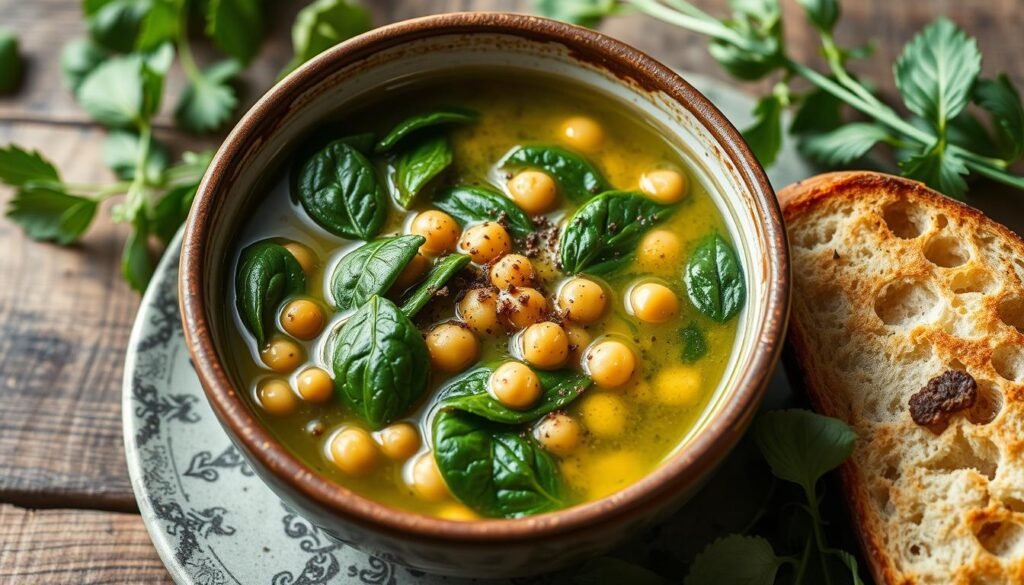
(944, 395)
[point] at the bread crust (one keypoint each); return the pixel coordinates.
(854, 206)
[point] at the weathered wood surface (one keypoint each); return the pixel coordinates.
(65, 314)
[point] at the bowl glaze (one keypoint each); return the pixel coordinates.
(261, 140)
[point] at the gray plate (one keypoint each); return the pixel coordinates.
(213, 522)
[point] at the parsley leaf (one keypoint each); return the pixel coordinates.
(113, 94)
(1000, 98)
(18, 167)
(323, 24)
(171, 210)
(823, 14)
(236, 26)
(749, 560)
(936, 71)
(10, 62)
(136, 262)
(939, 169)
(801, 446)
(46, 213)
(78, 59)
(582, 12)
(819, 111)
(844, 144)
(121, 149)
(162, 23)
(765, 136)
(208, 100)
(115, 24)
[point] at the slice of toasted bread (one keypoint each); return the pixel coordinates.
(894, 285)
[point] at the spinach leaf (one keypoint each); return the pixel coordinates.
(381, 363)
(694, 342)
(469, 393)
(714, 279)
(450, 115)
(493, 469)
(476, 204)
(267, 274)
(577, 179)
(602, 235)
(338, 188)
(371, 269)
(437, 278)
(418, 165)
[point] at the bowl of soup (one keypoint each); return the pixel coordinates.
(484, 294)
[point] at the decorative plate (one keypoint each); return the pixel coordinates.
(213, 522)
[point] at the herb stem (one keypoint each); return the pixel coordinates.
(137, 188)
(798, 579)
(188, 62)
(996, 174)
(703, 25)
(819, 537)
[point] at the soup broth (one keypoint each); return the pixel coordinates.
(641, 282)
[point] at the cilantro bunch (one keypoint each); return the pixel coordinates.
(117, 76)
(940, 142)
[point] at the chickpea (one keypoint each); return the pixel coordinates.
(604, 414)
(583, 132)
(515, 385)
(277, 398)
(440, 230)
(579, 339)
(485, 242)
(354, 451)
(678, 386)
(523, 307)
(664, 185)
(558, 433)
(304, 256)
(303, 319)
(611, 363)
(479, 310)
(457, 512)
(453, 347)
(282, 355)
(315, 385)
(412, 273)
(512, 270)
(659, 249)
(427, 481)
(533, 191)
(582, 300)
(653, 303)
(399, 441)
(545, 345)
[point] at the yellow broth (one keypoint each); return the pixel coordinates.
(630, 430)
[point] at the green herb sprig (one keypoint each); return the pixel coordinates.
(940, 142)
(117, 76)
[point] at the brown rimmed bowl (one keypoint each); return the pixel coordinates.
(445, 43)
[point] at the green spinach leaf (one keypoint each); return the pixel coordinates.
(469, 393)
(437, 278)
(417, 166)
(694, 342)
(477, 204)
(381, 363)
(577, 179)
(602, 235)
(714, 279)
(339, 189)
(493, 469)
(267, 274)
(450, 115)
(371, 269)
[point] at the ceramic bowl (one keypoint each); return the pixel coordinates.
(259, 144)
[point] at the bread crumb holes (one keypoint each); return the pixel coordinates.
(947, 252)
(988, 405)
(904, 220)
(973, 281)
(1008, 361)
(1011, 312)
(1003, 539)
(907, 302)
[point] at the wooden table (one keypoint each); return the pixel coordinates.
(67, 513)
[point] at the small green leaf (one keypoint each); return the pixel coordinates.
(737, 560)
(323, 24)
(765, 136)
(822, 13)
(171, 210)
(371, 269)
(18, 167)
(939, 169)
(714, 279)
(1000, 98)
(602, 235)
(236, 26)
(582, 12)
(115, 24)
(78, 59)
(477, 204)
(469, 392)
(161, 24)
(47, 213)
(844, 144)
(609, 570)
(819, 112)
(416, 167)
(121, 151)
(577, 179)
(10, 62)
(801, 446)
(936, 71)
(136, 261)
(113, 93)
(267, 274)
(446, 268)
(694, 342)
(338, 188)
(209, 100)
(433, 118)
